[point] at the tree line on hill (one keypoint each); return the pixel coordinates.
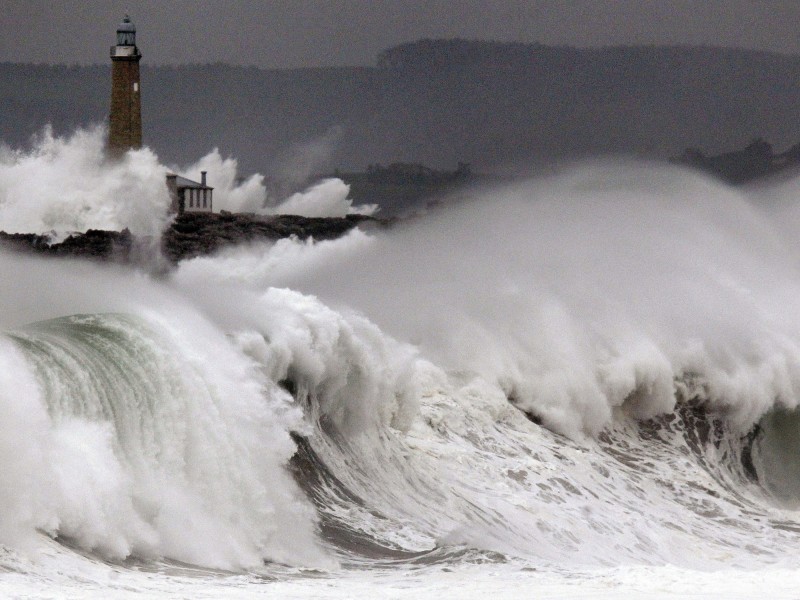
(757, 160)
(500, 107)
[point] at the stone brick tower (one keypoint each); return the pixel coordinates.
(125, 122)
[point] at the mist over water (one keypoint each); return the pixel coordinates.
(593, 370)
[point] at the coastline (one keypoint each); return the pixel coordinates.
(188, 236)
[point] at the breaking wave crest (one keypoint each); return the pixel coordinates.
(577, 296)
(596, 369)
(129, 437)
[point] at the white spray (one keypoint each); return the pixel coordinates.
(580, 294)
(139, 429)
(67, 184)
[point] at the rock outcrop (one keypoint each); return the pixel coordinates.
(94, 244)
(200, 234)
(756, 161)
(189, 236)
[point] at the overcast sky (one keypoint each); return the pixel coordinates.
(294, 33)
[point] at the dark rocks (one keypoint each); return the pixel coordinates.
(199, 234)
(94, 244)
(756, 161)
(189, 236)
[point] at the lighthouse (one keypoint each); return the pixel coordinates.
(125, 120)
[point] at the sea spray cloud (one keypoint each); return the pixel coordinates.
(230, 193)
(307, 158)
(254, 265)
(327, 198)
(583, 294)
(162, 429)
(66, 184)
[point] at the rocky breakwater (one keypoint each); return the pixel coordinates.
(188, 236)
(94, 244)
(199, 234)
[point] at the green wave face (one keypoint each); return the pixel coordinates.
(157, 441)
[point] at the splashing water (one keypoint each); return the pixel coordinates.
(145, 434)
(576, 295)
(589, 377)
(67, 184)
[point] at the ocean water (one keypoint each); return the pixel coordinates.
(579, 386)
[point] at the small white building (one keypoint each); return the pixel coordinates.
(189, 196)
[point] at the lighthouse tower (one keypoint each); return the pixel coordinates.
(125, 122)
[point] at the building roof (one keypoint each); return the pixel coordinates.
(182, 182)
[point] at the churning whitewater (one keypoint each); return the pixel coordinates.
(586, 379)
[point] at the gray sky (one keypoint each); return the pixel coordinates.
(293, 33)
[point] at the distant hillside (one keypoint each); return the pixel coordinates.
(435, 102)
(403, 187)
(756, 161)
